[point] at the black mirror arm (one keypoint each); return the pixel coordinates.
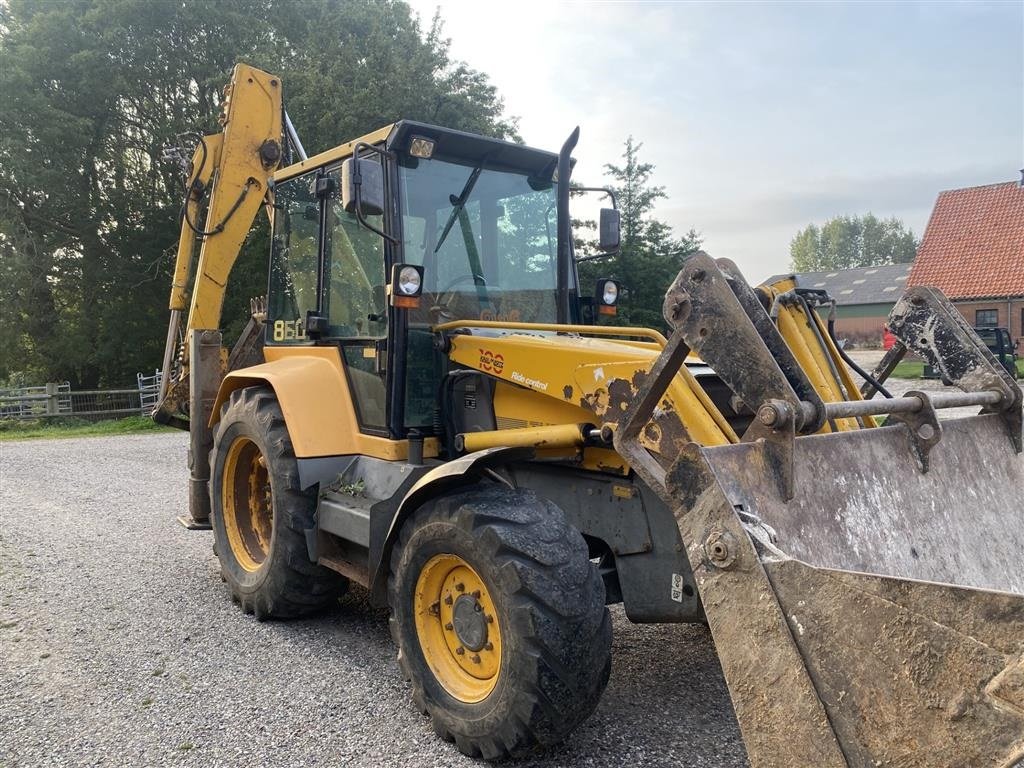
(357, 183)
(604, 190)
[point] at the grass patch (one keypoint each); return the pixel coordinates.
(35, 429)
(908, 369)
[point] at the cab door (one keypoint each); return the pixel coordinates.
(326, 287)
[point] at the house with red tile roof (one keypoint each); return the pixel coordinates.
(973, 251)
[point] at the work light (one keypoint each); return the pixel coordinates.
(421, 147)
(607, 294)
(406, 285)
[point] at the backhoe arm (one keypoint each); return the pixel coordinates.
(230, 170)
(229, 173)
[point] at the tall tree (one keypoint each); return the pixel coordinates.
(650, 255)
(92, 92)
(852, 241)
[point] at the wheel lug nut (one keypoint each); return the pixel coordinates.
(475, 658)
(475, 593)
(449, 626)
(488, 646)
(447, 599)
(460, 587)
(460, 650)
(490, 619)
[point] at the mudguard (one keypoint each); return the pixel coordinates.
(314, 398)
(465, 470)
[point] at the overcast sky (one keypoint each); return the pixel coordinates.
(761, 118)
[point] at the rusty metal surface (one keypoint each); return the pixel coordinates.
(827, 667)
(926, 322)
(865, 589)
(863, 504)
(702, 305)
(901, 686)
(784, 724)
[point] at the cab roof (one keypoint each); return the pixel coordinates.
(472, 149)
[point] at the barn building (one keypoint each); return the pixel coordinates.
(973, 251)
(864, 296)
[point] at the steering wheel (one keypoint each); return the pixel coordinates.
(441, 305)
(469, 276)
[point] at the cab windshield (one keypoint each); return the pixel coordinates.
(485, 238)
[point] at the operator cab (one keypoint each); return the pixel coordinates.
(476, 217)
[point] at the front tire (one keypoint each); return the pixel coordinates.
(499, 619)
(260, 515)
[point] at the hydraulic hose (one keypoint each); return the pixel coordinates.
(846, 358)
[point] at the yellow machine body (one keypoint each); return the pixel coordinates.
(734, 469)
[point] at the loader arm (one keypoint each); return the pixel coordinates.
(863, 584)
(229, 176)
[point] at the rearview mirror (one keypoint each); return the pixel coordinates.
(608, 236)
(362, 186)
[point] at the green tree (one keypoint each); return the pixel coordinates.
(93, 90)
(650, 255)
(852, 241)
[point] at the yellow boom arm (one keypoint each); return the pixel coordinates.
(231, 170)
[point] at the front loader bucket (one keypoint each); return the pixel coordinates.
(877, 617)
(864, 584)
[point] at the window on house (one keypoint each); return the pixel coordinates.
(986, 318)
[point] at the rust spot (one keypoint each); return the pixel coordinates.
(596, 401)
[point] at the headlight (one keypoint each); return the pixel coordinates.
(409, 281)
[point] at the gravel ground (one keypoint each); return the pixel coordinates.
(119, 645)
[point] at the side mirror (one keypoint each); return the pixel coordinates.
(608, 237)
(362, 187)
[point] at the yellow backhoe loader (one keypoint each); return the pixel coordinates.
(427, 404)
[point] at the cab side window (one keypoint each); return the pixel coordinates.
(294, 260)
(355, 302)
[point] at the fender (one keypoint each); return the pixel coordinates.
(314, 398)
(463, 471)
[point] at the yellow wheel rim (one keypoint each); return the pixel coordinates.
(457, 627)
(247, 502)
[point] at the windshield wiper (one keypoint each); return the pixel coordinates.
(458, 203)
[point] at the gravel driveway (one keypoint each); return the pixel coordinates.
(119, 645)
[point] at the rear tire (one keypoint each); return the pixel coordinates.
(535, 665)
(260, 515)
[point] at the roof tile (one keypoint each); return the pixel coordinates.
(973, 246)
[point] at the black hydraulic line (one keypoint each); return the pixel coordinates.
(846, 358)
(188, 193)
(812, 322)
